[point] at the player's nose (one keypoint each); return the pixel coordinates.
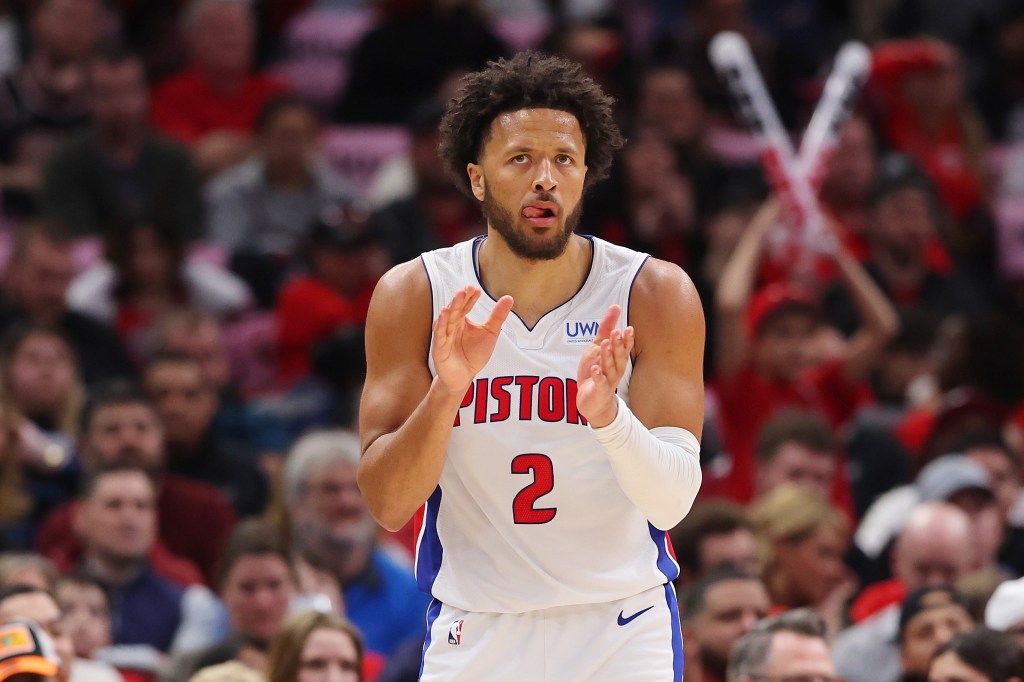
(545, 178)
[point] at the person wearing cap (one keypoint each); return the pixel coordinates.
(27, 653)
(929, 618)
(767, 354)
(980, 655)
(31, 604)
(260, 210)
(1005, 609)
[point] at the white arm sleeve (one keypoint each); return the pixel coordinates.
(658, 469)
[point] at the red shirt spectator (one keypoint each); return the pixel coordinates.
(187, 106)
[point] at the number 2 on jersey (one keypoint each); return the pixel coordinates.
(523, 509)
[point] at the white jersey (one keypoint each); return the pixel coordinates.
(528, 513)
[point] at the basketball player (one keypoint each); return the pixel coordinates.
(553, 446)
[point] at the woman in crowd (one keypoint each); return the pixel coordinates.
(311, 645)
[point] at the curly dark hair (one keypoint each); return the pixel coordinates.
(530, 80)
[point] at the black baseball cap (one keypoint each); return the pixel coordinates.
(928, 598)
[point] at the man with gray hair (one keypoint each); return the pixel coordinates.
(790, 646)
(212, 104)
(331, 526)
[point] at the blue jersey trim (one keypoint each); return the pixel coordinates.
(666, 564)
(433, 611)
(428, 562)
(677, 633)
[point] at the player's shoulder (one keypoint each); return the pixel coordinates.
(404, 279)
(661, 282)
(402, 290)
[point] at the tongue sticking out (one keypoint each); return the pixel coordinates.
(533, 212)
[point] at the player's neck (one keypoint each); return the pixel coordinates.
(537, 286)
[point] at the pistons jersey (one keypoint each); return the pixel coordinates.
(528, 513)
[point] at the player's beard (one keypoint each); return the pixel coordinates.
(504, 222)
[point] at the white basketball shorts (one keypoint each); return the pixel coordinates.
(636, 639)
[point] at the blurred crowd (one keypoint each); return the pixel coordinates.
(198, 196)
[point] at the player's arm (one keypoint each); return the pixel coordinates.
(654, 443)
(405, 415)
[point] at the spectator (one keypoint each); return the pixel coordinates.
(116, 524)
(257, 585)
(16, 503)
(849, 179)
(980, 655)
(667, 98)
(437, 39)
(186, 405)
(991, 451)
(261, 210)
(26, 568)
(796, 446)
(765, 355)
(717, 611)
(434, 213)
(918, 86)
(120, 425)
(20, 602)
(146, 275)
(929, 618)
(931, 550)
(27, 653)
(200, 335)
(118, 169)
(650, 205)
(715, 534)
(311, 644)
(38, 275)
(41, 379)
(48, 98)
(905, 254)
(792, 645)
(212, 105)
(803, 541)
(330, 519)
(85, 610)
(1005, 610)
(232, 671)
(345, 261)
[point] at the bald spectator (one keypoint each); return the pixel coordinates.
(118, 169)
(212, 105)
(36, 281)
(715, 534)
(933, 549)
(719, 609)
(120, 424)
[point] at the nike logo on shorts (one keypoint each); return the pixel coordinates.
(627, 620)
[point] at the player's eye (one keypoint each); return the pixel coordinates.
(520, 158)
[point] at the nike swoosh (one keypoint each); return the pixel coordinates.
(627, 621)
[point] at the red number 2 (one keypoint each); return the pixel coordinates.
(523, 510)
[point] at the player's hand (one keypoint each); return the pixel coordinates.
(601, 368)
(461, 347)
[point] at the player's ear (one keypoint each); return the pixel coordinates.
(476, 180)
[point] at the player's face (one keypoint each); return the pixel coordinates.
(530, 180)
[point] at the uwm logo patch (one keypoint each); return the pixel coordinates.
(580, 332)
(455, 633)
